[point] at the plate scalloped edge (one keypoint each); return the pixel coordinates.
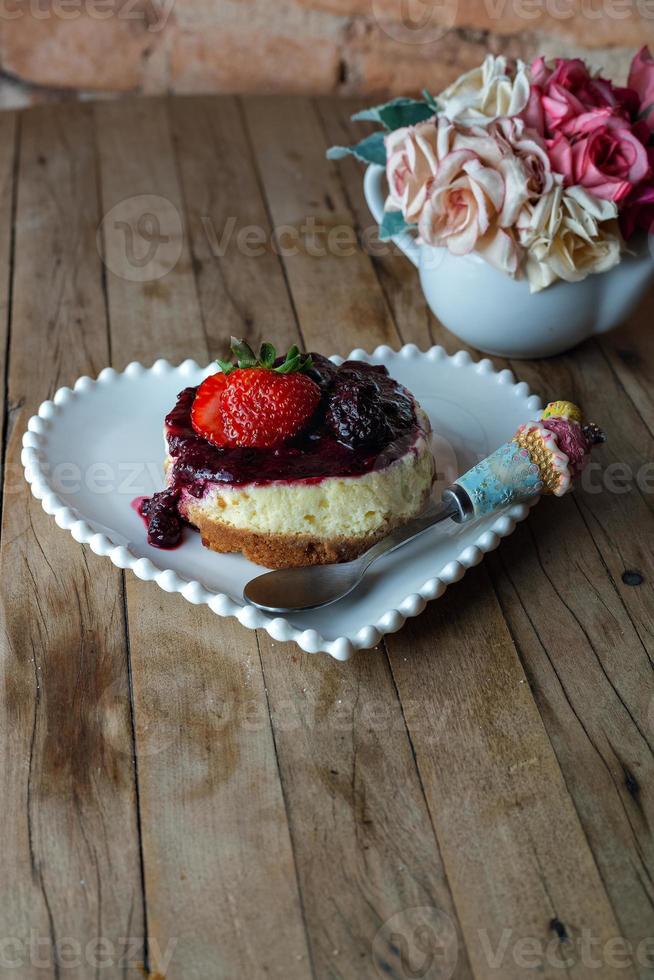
(341, 648)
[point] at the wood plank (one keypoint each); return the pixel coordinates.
(71, 857)
(149, 276)
(365, 846)
(607, 811)
(585, 634)
(328, 276)
(630, 352)
(575, 653)
(515, 852)
(8, 159)
(239, 277)
(414, 321)
(357, 868)
(219, 871)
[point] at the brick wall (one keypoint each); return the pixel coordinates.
(78, 48)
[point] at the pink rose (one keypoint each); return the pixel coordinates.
(641, 78)
(412, 160)
(637, 211)
(599, 151)
(560, 94)
(475, 196)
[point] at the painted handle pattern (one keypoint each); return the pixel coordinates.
(544, 456)
(507, 476)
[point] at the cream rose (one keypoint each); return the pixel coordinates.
(412, 160)
(568, 234)
(474, 197)
(530, 149)
(487, 92)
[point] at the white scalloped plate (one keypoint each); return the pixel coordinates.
(91, 450)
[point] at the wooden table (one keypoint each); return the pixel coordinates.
(187, 798)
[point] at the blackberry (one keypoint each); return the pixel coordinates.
(355, 414)
(164, 522)
(322, 371)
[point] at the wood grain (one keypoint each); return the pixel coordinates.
(515, 853)
(71, 872)
(239, 277)
(219, 870)
(9, 123)
(630, 352)
(397, 277)
(332, 283)
(564, 586)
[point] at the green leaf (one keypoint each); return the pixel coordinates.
(644, 113)
(243, 353)
(267, 355)
(289, 365)
(246, 358)
(430, 100)
(392, 224)
(399, 112)
(294, 363)
(225, 366)
(369, 150)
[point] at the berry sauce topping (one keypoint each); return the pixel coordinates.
(364, 421)
(162, 519)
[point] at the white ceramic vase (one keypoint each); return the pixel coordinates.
(499, 315)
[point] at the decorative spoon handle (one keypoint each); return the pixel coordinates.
(544, 456)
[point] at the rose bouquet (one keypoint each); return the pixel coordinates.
(546, 170)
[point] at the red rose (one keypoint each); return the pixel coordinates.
(600, 151)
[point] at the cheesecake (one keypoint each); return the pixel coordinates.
(310, 469)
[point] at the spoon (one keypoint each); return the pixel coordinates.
(530, 464)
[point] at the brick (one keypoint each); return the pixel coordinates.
(381, 65)
(313, 46)
(592, 23)
(80, 53)
(340, 8)
(219, 60)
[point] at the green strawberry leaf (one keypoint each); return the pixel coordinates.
(246, 358)
(369, 150)
(244, 354)
(289, 365)
(397, 113)
(267, 355)
(225, 366)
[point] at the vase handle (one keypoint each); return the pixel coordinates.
(372, 189)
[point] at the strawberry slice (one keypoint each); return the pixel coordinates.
(205, 412)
